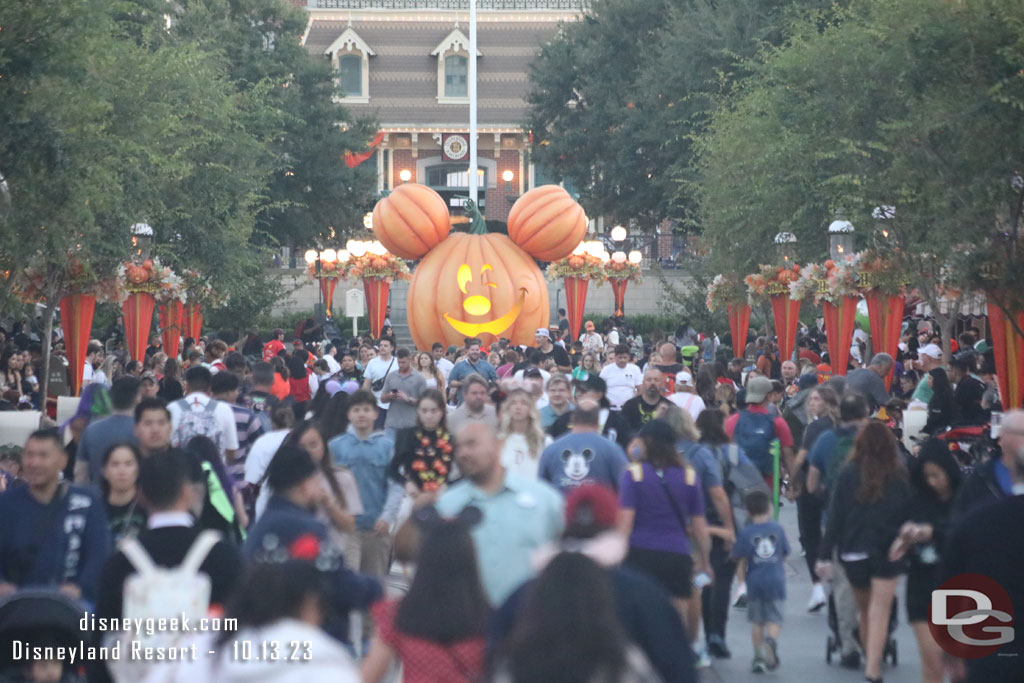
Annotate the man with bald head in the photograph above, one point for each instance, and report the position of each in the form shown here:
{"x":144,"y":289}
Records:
{"x":987,"y":542}
{"x":518,"y":515}
{"x":992,"y":481}
{"x":583,"y":456}
{"x":643,"y":407}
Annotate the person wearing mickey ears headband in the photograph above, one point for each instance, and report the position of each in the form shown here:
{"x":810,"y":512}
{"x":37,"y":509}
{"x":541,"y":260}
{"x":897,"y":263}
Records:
{"x":645,"y":612}
{"x":298,"y":492}
{"x":438,"y":629}
{"x":663,"y":515}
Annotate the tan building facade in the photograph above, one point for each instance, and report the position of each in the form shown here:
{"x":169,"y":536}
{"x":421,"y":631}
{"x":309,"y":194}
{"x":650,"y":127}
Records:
{"x":405,"y":63}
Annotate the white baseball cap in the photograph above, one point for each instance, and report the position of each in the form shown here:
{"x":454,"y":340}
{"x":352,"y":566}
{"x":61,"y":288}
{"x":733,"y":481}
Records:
{"x":930,"y":350}
{"x":684,"y":378}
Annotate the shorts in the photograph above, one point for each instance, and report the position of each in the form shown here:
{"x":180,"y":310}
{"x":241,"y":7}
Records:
{"x":860,"y":572}
{"x":761,"y":611}
{"x":674,"y":571}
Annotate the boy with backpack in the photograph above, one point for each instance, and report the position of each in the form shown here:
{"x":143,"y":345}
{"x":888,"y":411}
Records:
{"x":761,"y":550}
{"x":754,"y":429}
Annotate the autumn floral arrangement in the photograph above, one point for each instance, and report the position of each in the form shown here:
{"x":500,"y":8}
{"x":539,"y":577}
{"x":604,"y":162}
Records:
{"x":771,"y":281}
{"x":386,"y":265}
{"x":74,"y":276}
{"x":724,"y":291}
{"x":586,"y":266}
{"x":880,"y":273}
{"x":328,"y":269}
{"x":152,"y":277}
{"x":623,"y":270}
{"x":830,"y":281}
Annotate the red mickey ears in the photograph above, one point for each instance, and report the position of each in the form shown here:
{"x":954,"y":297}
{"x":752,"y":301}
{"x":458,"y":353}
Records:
{"x":547,"y":223}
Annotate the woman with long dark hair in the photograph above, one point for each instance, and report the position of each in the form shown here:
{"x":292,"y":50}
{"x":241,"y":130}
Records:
{"x":662,"y":510}
{"x":170,"y":384}
{"x":869,"y":504}
{"x":942,"y":408}
{"x":569,"y":631}
{"x":438,"y":629}
{"x":935,"y":478}
{"x":334,"y":417}
{"x":424,"y":453}
{"x":120,"y":474}
{"x":337,"y":509}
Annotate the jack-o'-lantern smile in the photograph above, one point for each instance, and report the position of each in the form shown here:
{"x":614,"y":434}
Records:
{"x":481,"y":305}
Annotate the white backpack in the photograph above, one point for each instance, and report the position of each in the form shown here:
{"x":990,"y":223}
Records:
{"x":155,"y":593}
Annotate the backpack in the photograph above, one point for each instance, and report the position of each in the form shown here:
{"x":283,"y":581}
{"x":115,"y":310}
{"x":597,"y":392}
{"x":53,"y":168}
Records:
{"x":193,"y":423}
{"x":162,"y":593}
{"x":739,"y":479}
{"x":844,"y":446}
{"x":754,"y":433}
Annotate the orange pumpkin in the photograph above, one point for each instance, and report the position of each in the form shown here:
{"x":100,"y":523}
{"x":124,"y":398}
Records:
{"x":476,"y":285}
{"x":547,"y":223}
{"x":137,"y":274}
{"x":411,"y":221}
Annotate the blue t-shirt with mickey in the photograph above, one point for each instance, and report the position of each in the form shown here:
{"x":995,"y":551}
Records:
{"x":765,"y":547}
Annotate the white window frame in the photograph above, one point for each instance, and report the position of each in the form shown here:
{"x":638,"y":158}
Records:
{"x":455,"y":44}
{"x":349,"y":43}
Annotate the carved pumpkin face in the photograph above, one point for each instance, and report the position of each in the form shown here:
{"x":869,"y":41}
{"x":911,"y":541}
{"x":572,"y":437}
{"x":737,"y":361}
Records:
{"x":477,"y":284}
{"x":137,"y":274}
{"x":482,"y":286}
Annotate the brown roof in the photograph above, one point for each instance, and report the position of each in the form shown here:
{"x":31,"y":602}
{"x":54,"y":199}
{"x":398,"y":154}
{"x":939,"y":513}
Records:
{"x":403,"y":74}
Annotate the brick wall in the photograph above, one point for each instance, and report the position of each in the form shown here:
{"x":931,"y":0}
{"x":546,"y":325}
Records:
{"x":402,"y":160}
{"x":501,"y":197}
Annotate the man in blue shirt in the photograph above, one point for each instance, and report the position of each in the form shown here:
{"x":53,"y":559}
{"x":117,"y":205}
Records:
{"x":519,"y":515}
{"x":583,"y":456}
{"x":100,"y":435}
{"x":51,"y":533}
{"x":474,"y":363}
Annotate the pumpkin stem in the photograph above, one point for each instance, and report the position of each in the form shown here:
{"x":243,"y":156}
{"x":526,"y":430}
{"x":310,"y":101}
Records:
{"x":477,"y":226}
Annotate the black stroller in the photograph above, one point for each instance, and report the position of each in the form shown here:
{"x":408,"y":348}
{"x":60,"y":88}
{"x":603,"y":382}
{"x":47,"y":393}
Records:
{"x":834,"y":645}
{"x":39,"y":618}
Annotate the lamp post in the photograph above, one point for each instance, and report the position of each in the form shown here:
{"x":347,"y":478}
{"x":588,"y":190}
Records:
{"x":618,"y":234}
{"x":318,"y":258}
{"x":785,"y":245}
{"x":142,"y":241}
{"x":840,"y":238}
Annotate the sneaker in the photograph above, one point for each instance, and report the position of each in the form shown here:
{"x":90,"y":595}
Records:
{"x":818,"y":598}
{"x":771,"y":655}
{"x":739,"y":599}
{"x":703,"y":659}
{"x":758,"y":667}
{"x":851,"y":660}
{"x":717,"y":647}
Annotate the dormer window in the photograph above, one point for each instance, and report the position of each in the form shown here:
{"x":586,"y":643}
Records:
{"x":350,"y":55}
{"x":453,"y":68}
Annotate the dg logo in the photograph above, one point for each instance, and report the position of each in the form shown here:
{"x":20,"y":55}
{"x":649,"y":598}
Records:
{"x":971,"y":616}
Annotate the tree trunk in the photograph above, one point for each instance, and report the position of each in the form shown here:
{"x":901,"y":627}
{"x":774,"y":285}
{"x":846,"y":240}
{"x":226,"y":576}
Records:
{"x":44,"y":384}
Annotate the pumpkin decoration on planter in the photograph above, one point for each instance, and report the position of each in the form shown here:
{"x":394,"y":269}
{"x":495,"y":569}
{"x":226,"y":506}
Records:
{"x":411,"y":221}
{"x":547,"y":223}
{"x":475,"y":284}
{"x":137,"y":274}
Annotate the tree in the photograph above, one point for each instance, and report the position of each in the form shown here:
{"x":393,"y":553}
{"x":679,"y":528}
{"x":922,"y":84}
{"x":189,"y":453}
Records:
{"x":618,"y":98}
{"x":914,"y":105}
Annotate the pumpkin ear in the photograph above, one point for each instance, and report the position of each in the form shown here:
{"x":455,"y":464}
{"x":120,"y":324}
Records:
{"x":411,"y":221}
{"x":547,"y":223}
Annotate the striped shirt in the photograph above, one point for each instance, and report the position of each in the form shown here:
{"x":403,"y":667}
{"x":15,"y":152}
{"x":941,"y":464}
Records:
{"x":249,"y":429}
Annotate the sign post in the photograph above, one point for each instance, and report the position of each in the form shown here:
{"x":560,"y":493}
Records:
{"x":355,"y":305}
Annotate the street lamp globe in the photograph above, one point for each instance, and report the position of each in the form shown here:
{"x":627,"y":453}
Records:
{"x":405,"y":175}
{"x":310,"y":256}
{"x":329,"y":255}
{"x":356,"y":247}
{"x":507,"y":176}
{"x":368,"y":220}
{"x":635,"y":257}
{"x":580,"y":249}
{"x":619,"y":257}
{"x":618,"y":233}
{"x":343,"y":256}
{"x":376,"y":248}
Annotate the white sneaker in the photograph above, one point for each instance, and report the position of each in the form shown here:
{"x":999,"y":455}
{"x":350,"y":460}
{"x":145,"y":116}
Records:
{"x":739,"y":596}
{"x":818,"y":598}
{"x":703,"y":658}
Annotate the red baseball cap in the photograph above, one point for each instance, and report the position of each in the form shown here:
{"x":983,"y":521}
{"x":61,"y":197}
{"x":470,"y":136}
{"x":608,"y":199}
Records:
{"x":592,"y":504}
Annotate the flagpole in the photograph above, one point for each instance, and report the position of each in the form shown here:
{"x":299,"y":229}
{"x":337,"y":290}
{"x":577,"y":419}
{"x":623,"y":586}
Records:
{"x":473,"y":180}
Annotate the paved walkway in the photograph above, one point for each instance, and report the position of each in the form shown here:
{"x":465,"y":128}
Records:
{"x":802,"y":643}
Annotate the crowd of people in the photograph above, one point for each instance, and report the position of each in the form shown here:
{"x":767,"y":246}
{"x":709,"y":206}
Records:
{"x":579,"y":510}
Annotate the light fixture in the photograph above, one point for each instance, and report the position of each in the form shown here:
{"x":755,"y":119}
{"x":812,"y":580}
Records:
{"x":840,"y":237}
{"x":329,"y":256}
{"x":635,"y":257}
{"x":405,"y":175}
{"x":618,"y":233}
{"x":310,"y":256}
{"x":368,"y":220}
{"x":619,"y":257}
{"x":142,"y":240}
{"x":343,"y":256}
{"x":376,"y":248}
{"x":785,"y":245}
{"x":507,"y":176}
{"x":356,"y":247}
{"x":580,"y":249}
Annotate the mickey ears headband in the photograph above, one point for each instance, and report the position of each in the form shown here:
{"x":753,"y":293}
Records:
{"x":413,"y":219}
{"x":429,"y":518}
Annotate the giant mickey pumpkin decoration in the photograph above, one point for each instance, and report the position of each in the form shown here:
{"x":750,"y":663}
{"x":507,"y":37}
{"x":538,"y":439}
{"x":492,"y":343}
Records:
{"x":477,"y":284}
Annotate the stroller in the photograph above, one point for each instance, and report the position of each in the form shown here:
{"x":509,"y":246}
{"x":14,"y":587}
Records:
{"x":834,"y":645}
{"x":39,"y":618}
